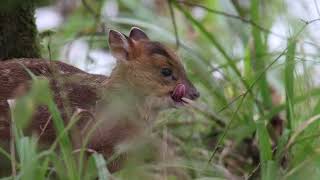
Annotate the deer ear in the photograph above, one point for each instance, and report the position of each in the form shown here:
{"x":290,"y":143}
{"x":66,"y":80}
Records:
{"x":119,"y":45}
{"x":137,"y":34}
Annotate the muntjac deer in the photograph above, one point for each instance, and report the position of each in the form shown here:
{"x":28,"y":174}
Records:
{"x":148,"y":77}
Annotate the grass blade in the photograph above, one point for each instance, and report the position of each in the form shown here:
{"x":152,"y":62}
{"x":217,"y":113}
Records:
{"x":103,"y":172}
{"x":260,"y":49}
{"x":218,"y":46}
{"x":289,"y":81}
{"x":265,"y":149}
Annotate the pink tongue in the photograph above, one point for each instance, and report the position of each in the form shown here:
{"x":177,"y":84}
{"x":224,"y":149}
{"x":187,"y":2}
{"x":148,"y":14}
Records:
{"x":179,"y":92}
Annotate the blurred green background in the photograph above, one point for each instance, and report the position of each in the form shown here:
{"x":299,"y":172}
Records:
{"x":255,"y":63}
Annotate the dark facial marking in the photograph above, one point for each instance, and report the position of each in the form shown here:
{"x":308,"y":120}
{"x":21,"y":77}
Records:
{"x":157,"y":48}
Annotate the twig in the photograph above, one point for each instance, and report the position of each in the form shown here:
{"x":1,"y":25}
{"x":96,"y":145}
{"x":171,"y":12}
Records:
{"x":86,"y":150}
{"x":226,"y":129}
{"x":300,"y":129}
{"x":204,"y":110}
{"x":253,"y":171}
{"x":230,"y":103}
{"x":310,"y":22}
{"x":44,"y":128}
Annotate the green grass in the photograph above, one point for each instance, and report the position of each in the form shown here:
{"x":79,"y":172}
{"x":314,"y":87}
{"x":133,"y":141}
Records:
{"x":228,"y":132}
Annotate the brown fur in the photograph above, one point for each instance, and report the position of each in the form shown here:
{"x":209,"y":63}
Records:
{"x":121,"y":105}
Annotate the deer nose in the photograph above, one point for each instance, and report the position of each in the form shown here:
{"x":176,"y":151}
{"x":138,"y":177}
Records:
{"x":194,"y":94}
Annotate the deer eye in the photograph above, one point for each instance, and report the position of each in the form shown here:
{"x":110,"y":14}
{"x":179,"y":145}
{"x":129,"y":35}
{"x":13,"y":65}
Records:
{"x":166,"y":72}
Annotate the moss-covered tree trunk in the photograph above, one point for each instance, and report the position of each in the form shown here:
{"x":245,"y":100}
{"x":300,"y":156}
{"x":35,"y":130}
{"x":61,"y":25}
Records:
{"x":18,"y":33}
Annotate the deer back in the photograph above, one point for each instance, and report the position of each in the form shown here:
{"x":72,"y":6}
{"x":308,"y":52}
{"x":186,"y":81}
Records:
{"x":72,"y":89}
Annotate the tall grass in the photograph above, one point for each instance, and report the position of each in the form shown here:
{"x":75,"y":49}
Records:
{"x":229,"y":133}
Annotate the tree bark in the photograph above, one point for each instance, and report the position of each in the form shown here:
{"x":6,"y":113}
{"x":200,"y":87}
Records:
{"x":18,"y":32}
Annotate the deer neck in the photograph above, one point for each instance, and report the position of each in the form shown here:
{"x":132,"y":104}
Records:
{"x":122,"y":113}
{"x":123,"y":99}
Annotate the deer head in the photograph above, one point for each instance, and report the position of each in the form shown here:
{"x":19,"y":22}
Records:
{"x":150,"y":68}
